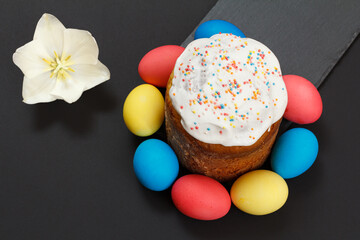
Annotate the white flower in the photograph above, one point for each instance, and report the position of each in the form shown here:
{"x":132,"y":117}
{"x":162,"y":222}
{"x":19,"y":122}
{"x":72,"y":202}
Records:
{"x":59,"y":63}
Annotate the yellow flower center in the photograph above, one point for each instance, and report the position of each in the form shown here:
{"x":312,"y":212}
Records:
{"x":59,"y":66}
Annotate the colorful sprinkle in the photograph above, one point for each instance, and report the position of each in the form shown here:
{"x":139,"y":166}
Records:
{"x":231,"y":82}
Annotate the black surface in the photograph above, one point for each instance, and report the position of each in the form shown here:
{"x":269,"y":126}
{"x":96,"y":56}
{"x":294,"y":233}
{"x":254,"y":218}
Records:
{"x":66,"y":170}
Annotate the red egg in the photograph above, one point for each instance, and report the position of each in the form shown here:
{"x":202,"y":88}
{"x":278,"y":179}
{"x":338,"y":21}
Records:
{"x":200,"y":197}
{"x":156,"y":66}
{"x":304,"y":100}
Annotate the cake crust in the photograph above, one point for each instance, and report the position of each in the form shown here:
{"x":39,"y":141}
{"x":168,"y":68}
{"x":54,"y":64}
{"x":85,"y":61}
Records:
{"x":220,"y":162}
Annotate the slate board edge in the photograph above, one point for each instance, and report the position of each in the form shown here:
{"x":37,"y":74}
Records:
{"x":317,"y":83}
{"x":285,"y":123}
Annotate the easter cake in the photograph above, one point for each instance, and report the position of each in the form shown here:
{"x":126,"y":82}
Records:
{"x":223,"y":105}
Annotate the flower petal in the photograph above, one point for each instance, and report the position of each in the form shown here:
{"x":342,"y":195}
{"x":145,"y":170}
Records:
{"x":91,"y":75}
{"x":80,"y":46}
{"x":38,"y":89}
{"x":29,"y":58}
{"x":50,"y":31}
{"x":69,"y":90}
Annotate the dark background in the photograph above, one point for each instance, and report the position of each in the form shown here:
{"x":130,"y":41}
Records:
{"x":66,"y":170}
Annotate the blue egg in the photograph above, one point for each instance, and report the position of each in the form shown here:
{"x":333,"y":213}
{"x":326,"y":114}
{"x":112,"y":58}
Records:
{"x":155,"y":164}
{"x":212,"y":27}
{"x":294,"y":152}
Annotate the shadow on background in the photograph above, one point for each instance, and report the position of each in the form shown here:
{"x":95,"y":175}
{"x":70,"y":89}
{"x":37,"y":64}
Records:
{"x":78,"y":117}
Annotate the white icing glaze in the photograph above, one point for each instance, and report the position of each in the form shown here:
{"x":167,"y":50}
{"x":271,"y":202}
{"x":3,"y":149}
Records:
{"x":228,"y":90}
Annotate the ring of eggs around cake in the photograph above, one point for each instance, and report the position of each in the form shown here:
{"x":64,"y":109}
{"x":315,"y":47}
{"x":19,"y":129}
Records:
{"x":257,"y":192}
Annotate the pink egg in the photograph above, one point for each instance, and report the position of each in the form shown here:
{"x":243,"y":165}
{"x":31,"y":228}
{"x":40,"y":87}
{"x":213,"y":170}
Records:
{"x":304,"y":100}
{"x":200,"y":197}
{"x":156,"y":66}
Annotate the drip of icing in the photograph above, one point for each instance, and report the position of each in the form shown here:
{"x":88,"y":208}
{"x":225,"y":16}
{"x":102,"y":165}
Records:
{"x":228,"y":90}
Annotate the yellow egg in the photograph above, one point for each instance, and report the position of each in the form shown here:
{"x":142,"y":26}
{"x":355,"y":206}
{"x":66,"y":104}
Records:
{"x":143,"y":110}
{"x":259,"y":192}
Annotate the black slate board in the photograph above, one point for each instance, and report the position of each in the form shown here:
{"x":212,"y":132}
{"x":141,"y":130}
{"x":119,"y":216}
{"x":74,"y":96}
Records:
{"x":308,"y":37}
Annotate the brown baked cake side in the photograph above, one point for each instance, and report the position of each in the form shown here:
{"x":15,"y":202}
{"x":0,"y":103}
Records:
{"x":214,"y":160}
